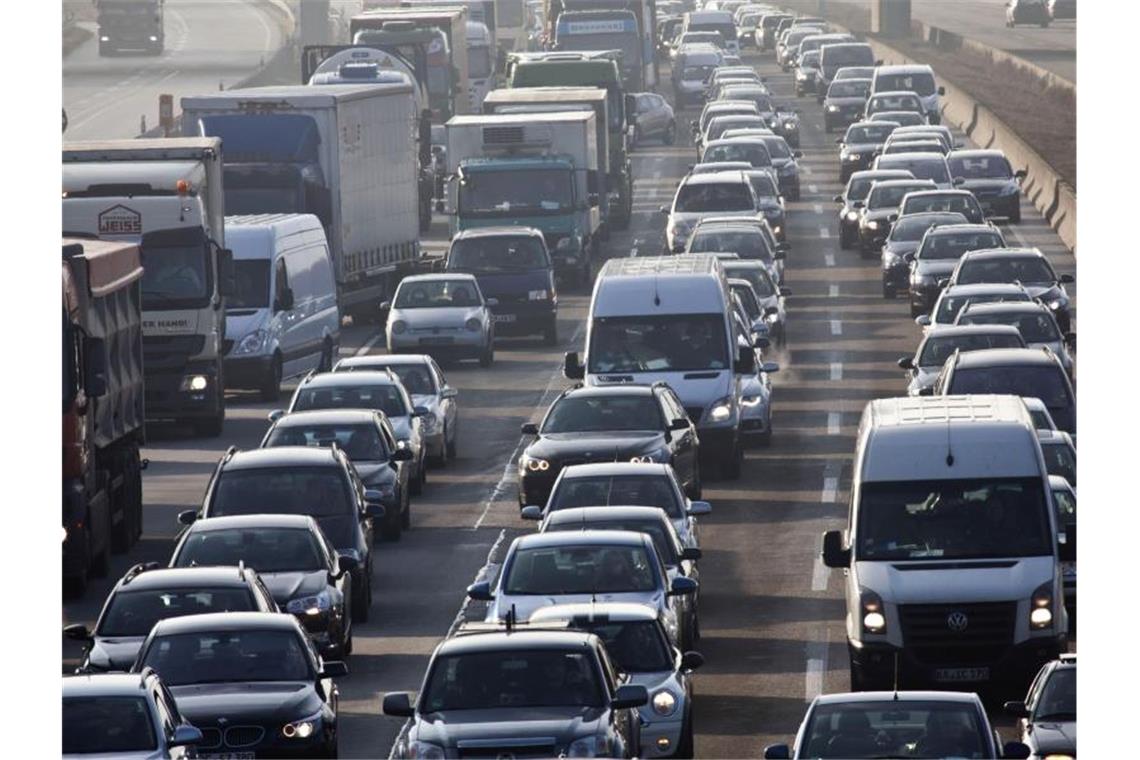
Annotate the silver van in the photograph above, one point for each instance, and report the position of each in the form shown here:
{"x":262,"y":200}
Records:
{"x":283,"y":319}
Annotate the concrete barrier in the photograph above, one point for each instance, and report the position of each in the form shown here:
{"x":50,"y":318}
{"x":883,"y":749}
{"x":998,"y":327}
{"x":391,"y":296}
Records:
{"x":946,"y":40}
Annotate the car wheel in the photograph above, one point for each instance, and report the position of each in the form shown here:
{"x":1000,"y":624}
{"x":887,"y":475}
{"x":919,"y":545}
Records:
{"x":453,"y":444}
{"x":857,"y":680}
{"x":764,"y":440}
{"x":271,"y":384}
{"x":636,"y":140}
{"x":406,"y":514}
{"x":346,"y":646}
{"x":844,"y":239}
{"x":685,"y":743}
{"x":212,"y":426}
{"x":794,"y":195}
{"x":888,"y":291}
{"x":416,"y":485}
{"x":670,"y":133}
{"x":101,"y":562}
{"x":391,"y":527}
{"x":1015,"y":217}
{"x":487,"y":358}
{"x":328,"y":356}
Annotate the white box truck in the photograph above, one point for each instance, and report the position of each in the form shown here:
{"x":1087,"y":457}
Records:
{"x":167,"y":196}
{"x":346,"y":153}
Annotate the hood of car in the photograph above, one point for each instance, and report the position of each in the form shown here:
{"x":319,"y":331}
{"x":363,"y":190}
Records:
{"x":511,"y":286}
{"x":934,"y":267}
{"x":376,"y":473}
{"x":854,"y":100}
{"x":246,"y":702}
{"x":1054,"y":738}
{"x":993,"y":185}
{"x":594,"y":447}
{"x":443,"y":316}
{"x":286,"y":586}
{"x":115,"y":652}
{"x":554,"y":725}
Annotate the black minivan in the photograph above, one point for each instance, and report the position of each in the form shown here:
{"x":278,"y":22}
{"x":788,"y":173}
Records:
{"x":513,"y":266}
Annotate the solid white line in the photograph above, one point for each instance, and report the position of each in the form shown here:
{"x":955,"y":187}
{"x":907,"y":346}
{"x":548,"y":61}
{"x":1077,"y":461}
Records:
{"x":833,"y":291}
{"x":829,"y":259}
{"x":830,"y":491}
{"x":836,"y":371}
{"x":817,"y":208}
{"x":833,"y":423}
{"x":368,"y":346}
{"x":816,"y":667}
{"x":824,"y":233}
{"x":1017,"y":235}
{"x":813,"y":189}
{"x":819,"y":575}
{"x":836,"y":327}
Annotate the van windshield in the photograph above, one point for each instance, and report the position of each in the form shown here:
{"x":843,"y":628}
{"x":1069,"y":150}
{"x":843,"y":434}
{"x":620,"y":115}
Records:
{"x":952,"y":519}
{"x":919,"y":82}
{"x":251,"y":277}
{"x":497,"y":254}
{"x":658,"y":343}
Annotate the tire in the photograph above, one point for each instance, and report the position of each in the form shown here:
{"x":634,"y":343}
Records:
{"x":685,"y":743}
{"x":211,"y":427}
{"x":452,"y":445}
{"x":487,"y":358}
{"x":130,"y":527}
{"x":670,"y":134}
{"x":417,"y":485}
{"x":889,"y":292}
{"x":794,"y":196}
{"x":328,"y":352}
{"x":1015,"y":217}
{"x":858,"y":683}
{"x":636,"y":138}
{"x":550,"y":334}
{"x":270,"y":389}
{"x":764,"y":440}
{"x":391,"y":529}
{"x":346,"y":645}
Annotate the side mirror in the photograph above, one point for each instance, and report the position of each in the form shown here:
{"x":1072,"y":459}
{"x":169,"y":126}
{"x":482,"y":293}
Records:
{"x":909,"y":256}
{"x":691,"y":661}
{"x":699,"y":508}
{"x":1015,"y":709}
{"x":1071,"y":339}
{"x":682,"y":586}
{"x":834,"y":554}
{"x":1016,"y":750}
{"x":907,"y":362}
{"x":879,"y":62}
{"x":188,"y":517}
{"x":284,"y":301}
{"x":448,"y":392}
{"x":275,"y":415}
{"x":922,"y":320}
{"x":374,"y":509}
{"x":1020,"y":174}
{"x":838,"y":199}
{"x":397,"y":704}
{"x":334,"y":669}
{"x":531,"y":512}
{"x":1068,"y":550}
{"x":402,"y":455}
{"x":95,"y":367}
{"x":572,"y":367}
{"x":797,"y":154}
{"x":691,"y":553}
{"x":1066,"y":279}
{"x":385,"y":306}
{"x":771,"y":311}
{"x":777,"y":752}
{"x":857,"y":204}
{"x":529,"y":428}
{"x":185,"y":735}
{"x":892,"y":218}
{"x":227,"y":280}
{"x":745,"y":361}
{"x":770,"y":368}
{"x":941,"y":90}
{"x":680,"y":423}
{"x":927,"y":391}
{"x":629,"y":695}
{"x":77,"y":632}
{"x":480,"y":592}
{"x":420,"y":411}
{"x":346,"y":563}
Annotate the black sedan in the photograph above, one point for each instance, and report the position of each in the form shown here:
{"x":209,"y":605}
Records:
{"x":859,"y":146}
{"x":903,"y":240}
{"x":855,"y":195}
{"x":844,"y":102}
{"x":952,"y":201}
{"x":250,"y":681}
{"x":626,"y":423}
{"x":1047,"y":719}
{"x":988,"y":175}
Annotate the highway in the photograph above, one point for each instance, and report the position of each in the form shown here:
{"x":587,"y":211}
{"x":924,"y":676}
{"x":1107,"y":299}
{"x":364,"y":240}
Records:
{"x":772,"y":616}
{"x":209,"y":43}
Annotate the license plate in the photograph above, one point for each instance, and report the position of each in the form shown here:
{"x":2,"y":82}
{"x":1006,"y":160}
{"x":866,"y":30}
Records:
{"x":434,"y":341}
{"x":504,"y":317}
{"x":228,"y":755}
{"x":957,"y":675}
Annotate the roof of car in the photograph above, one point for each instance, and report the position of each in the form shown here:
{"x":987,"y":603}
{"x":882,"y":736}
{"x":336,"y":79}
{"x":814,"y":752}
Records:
{"x":623,"y":612}
{"x":974,"y":288}
{"x":940,"y":193}
{"x":894,"y":93}
{"x":952,"y":229}
{"x":885,"y":174}
{"x":585,"y":515}
{"x":713,"y":178}
{"x":902,"y":182}
{"x":328,"y":417}
{"x":1054,"y":437}
{"x":614,"y":389}
{"x":584,"y":538}
{"x":951,"y":331}
{"x":500,"y":231}
{"x":915,"y":156}
{"x":898,"y":696}
{"x":976,"y":153}
{"x":183,"y":577}
{"x":489,"y":641}
{"x":225,"y":621}
{"x":1007,"y":307}
{"x":930,"y":215}
{"x":905,"y":68}
{"x":105,"y":685}
{"x":613,"y":468}
{"x":868,"y":123}
{"x":281,"y":456}
{"x":1059,"y":483}
{"x":437,"y":277}
{"x":350,"y":379}
{"x":383,"y":360}
{"x":1004,"y":357}
{"x":1003,"y":253}
{"x":241,"y":522}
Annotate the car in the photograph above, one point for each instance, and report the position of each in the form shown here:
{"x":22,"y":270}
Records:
{"x":148,"y":593}
{"x":124,"y":715}
{"x":442,"y":315}
{"x":299,"y":566}
{"x":815,"y":44}
{"x":692,"y":66}
{"x":1027,"y":267}
{"x":512,"y":266}
{"x":769,"y":197}
{"x":939,"y":344}
{"x":1060,"y":454}
{"x":896,"y":724}
{"x":718,"y":125}
{"x":251,"y":681}
{"x":784,"y":163}
{"x":565,"y":568}
{"x":789,"y":45}
{"x":679,"y":560}
{"x":766,"y":29}
{"x":768,"y":294}
{"x":636,"y":423}
{"x":893,"y":101}
{"x":367,"y":438}
{"x":807,"y":73}
{"x":753,"y":150}
{"x":931,"y":166}
{"x":1047,"y":719}
{"x":903,"y":240}
{"x":1026,"y":12}
{"x":724,"y":193}
{"x":958,"y":201}
{"x":902,"y":118}
{"x":377,"y":389}
{"x":1037,"y":409}
{"x":1065,"y":500}
{"x":714,"y":108}
{"x":844,"y":102}
{"x":1033,"y":320}
{"x":880,"y":209}
{"x":425,"y":382}
{"x":636,"y":641}
{"x":854,"y":72}
{"x":486,"y":688}
{"x":747,"y":240}
{"x":300,"y":481}
{"x":653,"y":118}
{"x":937,"y":131}
{"x":915,"y":78}
{"x":854,"y":196}
{"x":1059,"y":9}
{"x":702,"y":38}
{"x":741,"y":73}
{"x":1033,"y":372}
{"x":954,"y":298}
{"x":625,"y":483}
{"x":834,"y":56}
{"x":937,"y":255}
{"x":744,"y":89}
{"x":988,"y":175}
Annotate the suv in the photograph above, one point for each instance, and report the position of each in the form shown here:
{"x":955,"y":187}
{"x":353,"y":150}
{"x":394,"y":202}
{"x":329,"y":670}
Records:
{"x":301,"y":480}
{"x":916,"y":78}
{"x":124,"y":715}
{"x":699,"y":195}
{"x":1032,"y":319}
{"x":149,"y":593}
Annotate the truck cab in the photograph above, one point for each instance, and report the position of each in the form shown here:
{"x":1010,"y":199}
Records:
{"x":130,"y":25}
{"x":604,"y":30}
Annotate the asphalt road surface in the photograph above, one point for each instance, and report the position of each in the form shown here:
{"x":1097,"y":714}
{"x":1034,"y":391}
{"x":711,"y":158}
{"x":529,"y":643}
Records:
{"x":772,"y":616}
{"x":209,"y":44}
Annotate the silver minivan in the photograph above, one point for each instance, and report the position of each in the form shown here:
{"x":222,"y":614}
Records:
{"x":282,"y":320}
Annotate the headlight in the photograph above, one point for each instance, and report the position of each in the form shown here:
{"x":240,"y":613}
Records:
{"x":664,"y":703}
{"x":537,"y":295}
{"x":853,"y":157}
{"x":788,"y":124}
{"x":751,"y":401}
{"x":310,"y":605}
{"x":399,"y":327}
{"x":301,"y":729}
{"x":872,"y":225}
{"x":852,"y":216}
{"x":874,"y":621}
{"x":474,"y":325}
{"x":251,"y":343}
{"x":430,"y":421}
{"x":587,"y":746}
{"x":533,"y":464}
{"x":1041,"y":607}
{"x":721,"y":409}
{"x":776,"y":229}
{"x":425,"y":751}
{"x":642,"y":459}
{"x":833,"y":109}
{"x":194,"y":383}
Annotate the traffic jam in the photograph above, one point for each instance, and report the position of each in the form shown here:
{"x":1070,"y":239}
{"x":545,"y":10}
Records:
{"x":354,"y":269}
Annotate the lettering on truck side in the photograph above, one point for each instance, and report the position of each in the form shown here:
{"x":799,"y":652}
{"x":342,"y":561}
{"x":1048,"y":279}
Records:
{"x":595,"y":27}
{"x":120,"y":220}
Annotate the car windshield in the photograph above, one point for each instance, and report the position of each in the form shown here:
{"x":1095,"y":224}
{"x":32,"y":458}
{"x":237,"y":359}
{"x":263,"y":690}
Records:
{"x":620,"y":490}
{"x":748,"y":243}
{"x":859,"y":187}
{"x":635,"y":646}
{"x":585,"y":414}
{"x":938,"y":348}
{"x":437,"y":294}
{"x":662,"y":541}
{"x":951,"y":245}
{"x":912,"y":729}
{"x":385,"y":398}
{"x":227,"y":656}
{"x":952,"y":519}
{"x":1046,"y":383}
{"x":361,"y":442}
{"x":757,"y":276}
{"x":416,"y":378}
{"x":266,"y":549}
{"x":1035,"y":328}
{"x":658,"y":343}
{"x":134,"y":613}
{"x":901,"y":118}
{"x":921,"y":83}
{"x":1058,"y":700}
{"x":515,"y":679}
{"x":755,"y":154}
{"x":894,"y":103}
{"x":709,"y":197}
{"x":980,"y":167}
{"x":755,"y":94}
{"x":849,"y":88}
{"x":697,"y":73}
{"x":763,"y":185}
{"x":251,"y":285}
{"x":107,"y":725}
{"x":1023,"y":269}
{"x":932,"y":168}
{"x":950,"y":305}
{"x":497,"y":254}
{"x":721,"y":124}
{"x":777,"y":147}
{"x":838,"y":56}
{"x":889,"y":196}
{"x":1061,"y":460}
{"x":965,"y":204}
{"x":511,"y":192}
{"x":810,"y":60}
{"x":909,"y":229}
{"x":602,"y":569}
{"x":316,"y":491}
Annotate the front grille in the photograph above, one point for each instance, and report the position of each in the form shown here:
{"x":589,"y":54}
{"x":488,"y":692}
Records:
{"x":987,"y":635}
{"x":237,"y":737}
{"x":502,"y":135}
{"x":211,"y":738}
{"x":170,"y":352}
{"x":512,"y":751}
{"x":694,"y":412}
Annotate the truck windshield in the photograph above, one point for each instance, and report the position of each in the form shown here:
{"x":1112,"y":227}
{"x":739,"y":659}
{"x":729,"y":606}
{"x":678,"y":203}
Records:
{"x":175,"y":276}
{"x":506,"y":193}
{"x":252,"y":285}
{"x":497,"y":254}
{"x":658,"y":343}
{"x":627,"y":42}
{"x":952,"y":519}
{"x":520,"y":679}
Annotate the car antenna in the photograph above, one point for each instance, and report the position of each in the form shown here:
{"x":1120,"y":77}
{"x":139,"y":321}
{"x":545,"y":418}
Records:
{"x":509,"y":620}
{"x":896,"y":678}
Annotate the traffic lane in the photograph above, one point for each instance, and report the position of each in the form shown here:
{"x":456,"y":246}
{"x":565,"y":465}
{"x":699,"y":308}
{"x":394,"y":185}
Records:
{"x":209,"y":45}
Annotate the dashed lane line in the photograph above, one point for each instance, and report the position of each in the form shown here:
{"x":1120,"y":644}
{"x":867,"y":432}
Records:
{"x":833,"y":423}
{"x":829,"y":259}
{"x":836,"y":371}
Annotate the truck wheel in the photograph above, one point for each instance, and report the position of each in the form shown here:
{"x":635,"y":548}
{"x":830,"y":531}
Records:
{"x":425,"y":216}
{"x":271,"y":384}
{"x":211,"y":427}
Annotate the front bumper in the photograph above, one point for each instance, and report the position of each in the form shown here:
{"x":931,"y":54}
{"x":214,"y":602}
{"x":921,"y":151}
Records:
{"x":535,"y":487}
{"x":660,"y":737}
{"x":166,"y":401}
{"x":718,"y":442}
{"x":465,"y":343}
{"x":246,"y":371}
{"x":896,"y":278}
{"x":272,"y":744}
{"x":523,"y":317}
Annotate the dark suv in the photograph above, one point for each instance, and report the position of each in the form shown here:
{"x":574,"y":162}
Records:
{"x":301,"y":480}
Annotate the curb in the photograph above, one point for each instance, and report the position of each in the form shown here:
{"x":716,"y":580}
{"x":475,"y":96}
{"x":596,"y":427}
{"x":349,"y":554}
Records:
{"x":950,"y":41}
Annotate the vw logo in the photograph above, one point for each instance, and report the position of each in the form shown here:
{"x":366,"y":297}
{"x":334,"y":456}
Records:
{"x":957,"y":621}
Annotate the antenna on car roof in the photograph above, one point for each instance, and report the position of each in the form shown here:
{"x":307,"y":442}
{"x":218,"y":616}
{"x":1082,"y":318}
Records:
{"x":510,"y":618}
{"x":896,"y":676}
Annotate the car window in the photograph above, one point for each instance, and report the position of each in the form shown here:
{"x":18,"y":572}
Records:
{"x":710,"y":197}
{"x":134,"y":612}
{"x":1013,"y":269}
{"x":361,"y":442}
{"x":597,"y":413}
{"x":227,"y":656}
{"x":1061,"y":460}
{"x":949,"y":306}
{"x":1058,"y":698}
{"x":268,"y":550}
{"x":512,"y":678}
{"x":937,"y":349}
{"x":316,"y":491}
{"x":620,"y":490}
{"x":1046,"y":383}
{"x":748,"y":243}
{"x":1066,"y":505}
{"x":386,"y":398}
{"x":912,"y":728}
{"x":668,"y":551}
{"x":1034,"y":328}
{"x":167,"y":720}
{"x":580,"y":569}
{"x":951,"y":245}
{"x":429,"y":294}
{"x":107,"y":724}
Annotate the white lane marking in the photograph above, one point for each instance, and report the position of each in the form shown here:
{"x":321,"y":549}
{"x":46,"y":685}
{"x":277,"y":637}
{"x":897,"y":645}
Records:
{"x":830,"y":491}
{"x":836,"y":371}
{"x":813,"y":189}
{"x":370,"y":343}
{"x":1017,"y":235}
{"x":816,"y":667}
{"x":836,"y":327}
{"x":833,"y":423}
{"x":819,"y":575}
{"x":805,"y":169}
{"x":824,"y":233}
{"x":833,"y":291}
{"x":829,"y":259}
{"x":817,"y":207}
{"x":115,"y":102}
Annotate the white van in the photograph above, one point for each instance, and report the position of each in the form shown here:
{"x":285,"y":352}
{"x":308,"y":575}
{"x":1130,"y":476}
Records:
{"x":670,"y":318}
{"x":952,"y":555}
{"x":283,"y":319}
{"x":917,"y":78}
{"x":714,"y":21}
